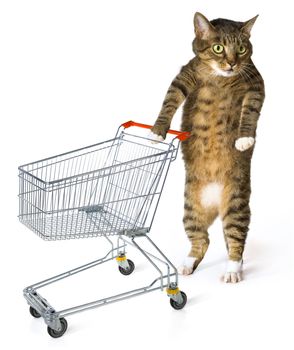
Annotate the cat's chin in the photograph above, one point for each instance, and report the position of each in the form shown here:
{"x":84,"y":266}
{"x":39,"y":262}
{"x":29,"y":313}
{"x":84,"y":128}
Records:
{"x":228,"y":74}
{"x":223,"y":73}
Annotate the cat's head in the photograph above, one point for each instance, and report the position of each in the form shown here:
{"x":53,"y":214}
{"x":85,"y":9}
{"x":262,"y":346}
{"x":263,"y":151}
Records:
{"x":223,"y":44}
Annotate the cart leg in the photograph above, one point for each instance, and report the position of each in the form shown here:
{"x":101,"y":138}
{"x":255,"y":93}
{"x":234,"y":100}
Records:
{"x":178,"y":299}
{"x":121,"y":246}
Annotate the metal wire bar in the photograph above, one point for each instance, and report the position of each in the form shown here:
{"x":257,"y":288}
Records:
{"x":71,"y":272}
{"x":146,"y":252}
{"x":114,"y":298}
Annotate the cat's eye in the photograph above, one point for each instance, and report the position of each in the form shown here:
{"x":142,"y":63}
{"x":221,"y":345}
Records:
{"x":241,"y":50}
{"x":218,"y":48}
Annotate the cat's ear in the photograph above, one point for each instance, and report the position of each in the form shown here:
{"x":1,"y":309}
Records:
{"x":247,"y":26}
{"x":203,"y":28}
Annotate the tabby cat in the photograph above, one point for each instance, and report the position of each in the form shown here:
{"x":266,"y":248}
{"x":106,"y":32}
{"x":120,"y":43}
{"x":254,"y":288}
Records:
{"x":223,"y":93}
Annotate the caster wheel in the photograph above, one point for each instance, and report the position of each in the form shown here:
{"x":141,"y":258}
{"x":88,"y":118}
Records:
{"x":56,"y":334}
{"x":129,"y":270}
{"x":34,"y":312}
{"x":178,"y":306}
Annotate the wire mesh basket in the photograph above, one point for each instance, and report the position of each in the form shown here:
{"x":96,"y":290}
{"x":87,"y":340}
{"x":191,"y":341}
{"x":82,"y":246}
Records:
{"x":108,"y":188}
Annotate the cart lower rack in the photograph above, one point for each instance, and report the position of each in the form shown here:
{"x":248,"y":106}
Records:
{"x":111,"y":190}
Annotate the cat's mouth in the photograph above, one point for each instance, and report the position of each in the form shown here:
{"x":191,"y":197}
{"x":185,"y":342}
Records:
{"x":223,"y":72}
{"x":229,"y":72}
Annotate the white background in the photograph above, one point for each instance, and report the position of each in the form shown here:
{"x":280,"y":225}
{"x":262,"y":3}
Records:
{"x":71,"y":72}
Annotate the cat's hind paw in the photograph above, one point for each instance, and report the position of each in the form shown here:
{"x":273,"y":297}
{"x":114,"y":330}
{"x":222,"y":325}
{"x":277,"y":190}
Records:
{"x":243,"y":143}
{"x":232,"y":277}
{"x":233,"y":272}
{"x":188,"y":266}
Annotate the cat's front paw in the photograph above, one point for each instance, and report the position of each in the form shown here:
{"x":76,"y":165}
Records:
{"x":243,"y":143}
{"x":154,"y":138}
{"x":159,"y":131}
{"x":233,"y":272}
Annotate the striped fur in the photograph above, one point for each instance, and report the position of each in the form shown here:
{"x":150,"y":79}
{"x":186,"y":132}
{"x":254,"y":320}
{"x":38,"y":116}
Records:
{"x":219,"y":109}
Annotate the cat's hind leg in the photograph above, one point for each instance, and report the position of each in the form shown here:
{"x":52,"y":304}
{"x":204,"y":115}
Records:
{"x":197,"y":219}
{"x":235,"y":214}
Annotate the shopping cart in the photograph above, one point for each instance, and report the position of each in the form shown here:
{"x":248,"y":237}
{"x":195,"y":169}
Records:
{"x":110,"y":189}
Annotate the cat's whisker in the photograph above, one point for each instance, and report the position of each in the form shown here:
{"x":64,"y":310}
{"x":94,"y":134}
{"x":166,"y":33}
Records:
{"x":250,"y":68}
{"x":257,"y":77}
{"x":242,"y":75}
{"x":251,"y":74}
{"x":245,"y":75}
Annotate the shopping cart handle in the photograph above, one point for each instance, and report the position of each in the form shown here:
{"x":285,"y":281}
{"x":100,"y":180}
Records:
{"x":181,"y":135}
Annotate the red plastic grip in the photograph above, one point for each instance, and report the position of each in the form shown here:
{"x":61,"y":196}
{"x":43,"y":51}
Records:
{"x":181,"y":135}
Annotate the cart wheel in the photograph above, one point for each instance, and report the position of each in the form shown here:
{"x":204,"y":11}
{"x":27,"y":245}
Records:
{"x":129,"y":270}
{"x":34,"y":312}
{"x":56,"y":334}
{"x":178,"y":306}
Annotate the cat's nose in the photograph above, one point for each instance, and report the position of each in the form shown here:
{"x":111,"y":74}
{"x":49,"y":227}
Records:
{"x":232,"y":64}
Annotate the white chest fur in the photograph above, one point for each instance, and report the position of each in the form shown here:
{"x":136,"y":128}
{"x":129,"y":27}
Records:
{"x":211,"y":194}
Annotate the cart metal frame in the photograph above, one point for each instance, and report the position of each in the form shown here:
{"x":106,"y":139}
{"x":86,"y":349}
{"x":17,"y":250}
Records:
{"x":73,"y":206}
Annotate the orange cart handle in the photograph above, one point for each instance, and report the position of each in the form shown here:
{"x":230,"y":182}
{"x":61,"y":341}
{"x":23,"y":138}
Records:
{"x":181,"y":135}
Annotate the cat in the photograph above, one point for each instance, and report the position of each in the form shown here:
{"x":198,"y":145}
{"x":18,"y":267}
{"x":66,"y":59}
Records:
{"x":224,"y":94}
